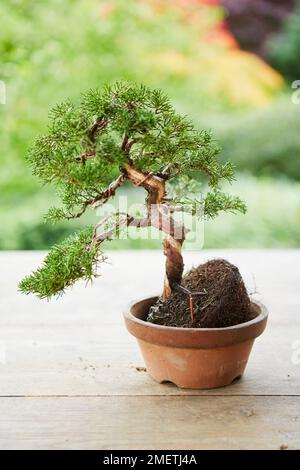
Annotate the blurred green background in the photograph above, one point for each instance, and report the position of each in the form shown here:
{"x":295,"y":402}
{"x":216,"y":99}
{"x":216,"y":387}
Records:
{"x":191,"y":49}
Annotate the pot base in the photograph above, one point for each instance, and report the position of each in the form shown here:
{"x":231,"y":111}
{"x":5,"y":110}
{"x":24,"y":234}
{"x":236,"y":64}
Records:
{"x":196,"y":368}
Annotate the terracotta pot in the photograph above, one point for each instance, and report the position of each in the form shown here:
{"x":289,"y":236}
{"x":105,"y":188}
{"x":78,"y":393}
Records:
{"x":194,"y":357}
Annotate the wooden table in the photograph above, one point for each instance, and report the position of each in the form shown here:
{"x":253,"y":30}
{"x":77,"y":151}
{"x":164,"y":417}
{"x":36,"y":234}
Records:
{"x":71,"y":378}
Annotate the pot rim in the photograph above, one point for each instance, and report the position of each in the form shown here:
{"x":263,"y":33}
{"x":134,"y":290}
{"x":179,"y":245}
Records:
{"x":180,"y":337}
{"x":127,"y":314}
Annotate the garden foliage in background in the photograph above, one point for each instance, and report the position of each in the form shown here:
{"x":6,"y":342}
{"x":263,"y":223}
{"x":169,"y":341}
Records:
{"x":254,"y":22}
{"x":283,"y":50}
{"x":54,"y":49}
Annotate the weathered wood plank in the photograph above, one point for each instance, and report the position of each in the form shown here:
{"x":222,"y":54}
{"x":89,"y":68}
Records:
{"x":78,"y":345}
{"x":132,"y":423}
{"x":107,"y":366}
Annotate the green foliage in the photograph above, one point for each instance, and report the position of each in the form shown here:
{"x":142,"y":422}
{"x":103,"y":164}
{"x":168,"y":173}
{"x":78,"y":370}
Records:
{"x":52,"y":46}
{"x":75,"y":258}
{"x":284,"y":49}
{"x":88,"y":144}
{"x":62,"y":156}
{"x":209,"y":205}
{"x":54,"y":215}
{"x":48,"y":47}
{"x":217,"y":201}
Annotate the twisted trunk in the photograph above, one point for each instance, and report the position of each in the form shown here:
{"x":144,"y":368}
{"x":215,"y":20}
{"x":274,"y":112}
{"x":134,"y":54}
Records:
{"x":158,"y":215}
{"x":174,"y":264}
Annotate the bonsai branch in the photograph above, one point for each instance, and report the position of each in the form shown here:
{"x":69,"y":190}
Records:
{"x":95,"y":128}
{"x":156,"y":219}
{"x":167,"y":146}
{"x":160,"y":219}
{"x":154,"y":185}
{"x":102,"y":197}
{"x":126,"y":220}
{"x":110,"y":191}
{"x":175,"y":232}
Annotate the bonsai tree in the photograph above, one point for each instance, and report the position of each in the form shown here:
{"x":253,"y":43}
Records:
{"x":123,"y":133}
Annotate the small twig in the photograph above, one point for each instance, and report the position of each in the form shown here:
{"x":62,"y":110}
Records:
{"x":97,"y":126}
{"x":101,"y":198}
{"x":191,"y":301}
{"x":124,"y":143}
{"x":191,"y":307}
{"x":166,"y":174}
{"x":84,"y":156}
{"x":130,"y":143}
{"x":127,"y":220}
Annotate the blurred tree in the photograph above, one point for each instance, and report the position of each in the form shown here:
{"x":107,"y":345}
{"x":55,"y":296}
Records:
{"x":284,"y":49}
{"x":252,"y":22}
{"x":264,"y":142}
{"x":48,"y":47}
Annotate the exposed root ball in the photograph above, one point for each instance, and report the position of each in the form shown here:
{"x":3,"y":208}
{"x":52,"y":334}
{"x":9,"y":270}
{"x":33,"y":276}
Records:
{"x":224,"y":300}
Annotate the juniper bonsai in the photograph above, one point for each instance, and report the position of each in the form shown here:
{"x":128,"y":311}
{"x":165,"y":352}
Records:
{"x":123,"y":133}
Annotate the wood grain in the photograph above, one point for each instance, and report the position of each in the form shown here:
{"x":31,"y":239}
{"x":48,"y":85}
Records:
{"x":150,"y":423}
{"x":71,"y":366}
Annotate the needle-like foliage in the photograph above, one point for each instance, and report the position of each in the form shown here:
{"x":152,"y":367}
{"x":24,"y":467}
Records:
{"x":75,"y":258}
{"x":121,"y":132}
{"x":84,"y":148}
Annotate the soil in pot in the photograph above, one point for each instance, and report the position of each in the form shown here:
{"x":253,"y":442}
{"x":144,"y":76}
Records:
{"x":213,"y":295}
